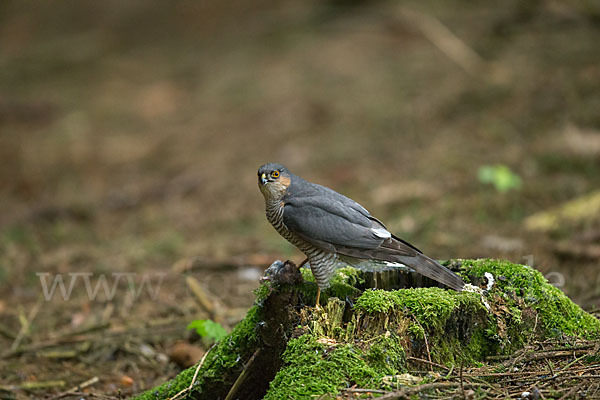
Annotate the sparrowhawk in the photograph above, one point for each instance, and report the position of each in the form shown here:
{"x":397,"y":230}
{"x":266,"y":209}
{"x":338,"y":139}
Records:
{"x":327,"y":226}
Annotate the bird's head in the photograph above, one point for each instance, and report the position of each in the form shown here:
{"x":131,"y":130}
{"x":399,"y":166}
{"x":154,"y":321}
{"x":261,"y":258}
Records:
{"x":273,"y":180}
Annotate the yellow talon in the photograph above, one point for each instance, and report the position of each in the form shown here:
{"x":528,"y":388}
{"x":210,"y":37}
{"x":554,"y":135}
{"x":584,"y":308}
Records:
{"x":318,"y":296}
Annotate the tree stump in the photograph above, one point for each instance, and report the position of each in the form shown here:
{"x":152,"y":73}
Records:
{"x":367,"y":337}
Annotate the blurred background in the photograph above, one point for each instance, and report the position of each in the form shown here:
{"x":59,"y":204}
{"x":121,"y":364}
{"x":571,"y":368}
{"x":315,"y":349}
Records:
{"x":131,"y":132}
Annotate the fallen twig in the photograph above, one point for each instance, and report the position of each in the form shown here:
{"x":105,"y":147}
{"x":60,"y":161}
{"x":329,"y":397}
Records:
{"x":405,"y":393}
{"x":426,"y":342}
{"x":34,"y":385}
{"x":462,"y":384}
{"x":359,"y":390}
{"x":446,"y":41}
{"x":158,"y":326}
{"x":189,"y":388}
{"x":238,"y":382}
{"x":420,"y":360}
{"x":7,"y":333}
{"x":26,"y":323}
{"x":76,"y":389}
{"x":201,"y":296}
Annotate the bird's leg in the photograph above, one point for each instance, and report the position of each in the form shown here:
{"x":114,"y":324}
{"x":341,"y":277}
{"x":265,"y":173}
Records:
{"x":318,"y":296}
{"x":302,"y":263}
{"x":318,"y":288}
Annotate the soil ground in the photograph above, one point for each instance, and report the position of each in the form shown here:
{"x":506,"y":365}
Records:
{"x":130,"y":135}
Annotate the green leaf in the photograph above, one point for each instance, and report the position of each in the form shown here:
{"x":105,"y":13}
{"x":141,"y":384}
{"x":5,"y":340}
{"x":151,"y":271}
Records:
{"x":500,"y":176}
{"x":208,"y":329}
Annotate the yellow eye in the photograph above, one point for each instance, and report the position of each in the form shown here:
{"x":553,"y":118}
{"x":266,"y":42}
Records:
{"x":275,"y":174}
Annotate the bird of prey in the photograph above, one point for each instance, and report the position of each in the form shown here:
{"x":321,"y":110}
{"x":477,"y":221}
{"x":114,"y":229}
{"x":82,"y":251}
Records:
{"x":327,"y":226}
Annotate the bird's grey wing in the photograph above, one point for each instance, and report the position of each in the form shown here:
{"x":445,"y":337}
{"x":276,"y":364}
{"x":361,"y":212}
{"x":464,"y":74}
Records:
{"x":332,"y":225}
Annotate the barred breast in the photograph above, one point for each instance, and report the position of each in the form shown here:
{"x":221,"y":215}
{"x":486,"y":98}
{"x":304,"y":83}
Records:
{"x":322,"y":263}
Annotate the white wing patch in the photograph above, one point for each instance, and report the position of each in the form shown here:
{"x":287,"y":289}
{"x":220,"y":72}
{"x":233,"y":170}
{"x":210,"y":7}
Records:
{"x":396,"y":265}
{"x":381,"y":233}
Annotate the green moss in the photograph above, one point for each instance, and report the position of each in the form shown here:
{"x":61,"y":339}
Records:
{"x":448,"y":350}
{"x":523,"y":286}
{"x":262,"y":292}
{"x":416,"y":331}
{"x":479,"y":345}
{"x":373,"y":301}
{"x":307,"y":275}
{"x":343,"y":284}
{"x":435,"y":312}
{"x":386,"y":353}
{"x":430,"y":306}
{"x":311,"y":368}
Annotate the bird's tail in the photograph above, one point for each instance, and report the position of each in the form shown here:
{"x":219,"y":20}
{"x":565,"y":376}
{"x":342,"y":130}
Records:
{"x":432,"y":269}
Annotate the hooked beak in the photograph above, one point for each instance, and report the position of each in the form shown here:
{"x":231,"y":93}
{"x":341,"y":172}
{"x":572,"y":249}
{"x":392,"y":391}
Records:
{"x":263,"y":179}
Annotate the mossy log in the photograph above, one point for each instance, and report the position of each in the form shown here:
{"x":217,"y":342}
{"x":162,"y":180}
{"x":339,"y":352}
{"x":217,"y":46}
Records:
{"x":287,"y":348}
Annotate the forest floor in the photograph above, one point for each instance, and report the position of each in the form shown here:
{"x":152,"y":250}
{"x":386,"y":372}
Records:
{"x":130,"y":135}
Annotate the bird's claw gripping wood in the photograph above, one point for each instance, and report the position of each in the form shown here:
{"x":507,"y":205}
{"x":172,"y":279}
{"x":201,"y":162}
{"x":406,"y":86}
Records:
{"x":327,"y":226}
